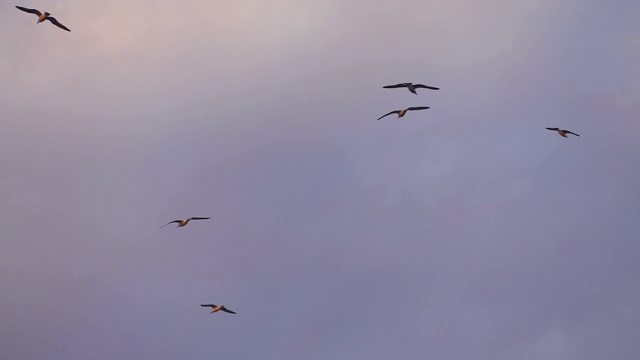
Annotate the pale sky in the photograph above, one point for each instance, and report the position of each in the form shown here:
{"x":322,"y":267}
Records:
{"x":465,"y":231}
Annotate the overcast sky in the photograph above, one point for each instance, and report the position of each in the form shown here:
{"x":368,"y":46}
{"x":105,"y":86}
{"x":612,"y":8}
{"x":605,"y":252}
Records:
{"x":466,"y":231}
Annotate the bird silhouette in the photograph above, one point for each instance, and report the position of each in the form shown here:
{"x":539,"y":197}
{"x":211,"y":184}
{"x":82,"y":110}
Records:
{"x":563,"y":133}
{"x":412,"y":87}
{"x":182,"y":223}
{"x":401,"y":113}
{"x":216,"y":308}
{"x":42,"y":17}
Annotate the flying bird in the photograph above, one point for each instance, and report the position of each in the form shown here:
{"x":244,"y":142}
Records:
{"x":182,"y":223}
{"x":563,"y":133}
{"x":401,"y":113}
{"x":216,"y":308}
{"x":412,"y":87}
{"x":42,"y":17}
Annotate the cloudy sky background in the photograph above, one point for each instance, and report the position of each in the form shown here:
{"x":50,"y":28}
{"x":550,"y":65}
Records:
{"x":466,"y":231}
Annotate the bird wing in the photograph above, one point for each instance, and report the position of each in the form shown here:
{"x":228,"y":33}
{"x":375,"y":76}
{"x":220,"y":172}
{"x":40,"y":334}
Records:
{"x":32,"y":11}
{"x":394,"y":86}
{"x":227,"y":310}
{"x":421,"y":86}
{"x":199,"y":218}
{"x":56,"y":23}
{"x":569,"y":132}
{"x":552,"y":129}
{"x":208,"y":305}
{"x":418,"y":108}
{"x":393,"y":112}
{"x":171,"y":222}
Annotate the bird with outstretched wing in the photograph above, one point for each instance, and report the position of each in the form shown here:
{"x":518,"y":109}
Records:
{"x":401,"y":113}
{"x":216,"y":308}
{"x":182,"y":223}
{"x":42,"y":17}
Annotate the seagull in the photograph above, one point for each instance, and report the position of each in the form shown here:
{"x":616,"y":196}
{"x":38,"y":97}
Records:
{"x":216,"y":308}
{"x":412,"y":87}
{"x":182,"y":223}
{"x":401,"y":113}
{"x":562,"y":133}
{"x":42,"y":17}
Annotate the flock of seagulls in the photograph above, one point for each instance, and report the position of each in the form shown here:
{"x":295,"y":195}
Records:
{"x":183,"y":222}
{"x":412,"y":88}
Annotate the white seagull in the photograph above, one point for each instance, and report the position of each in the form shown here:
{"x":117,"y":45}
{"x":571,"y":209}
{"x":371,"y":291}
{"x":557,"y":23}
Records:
{"x":401,"y":113}
{"x":216,"y":308}
{"x":42,"y":17}
{"x":182,"y":223}
{"x":411,"y":86}
{"x":563,"y":133}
